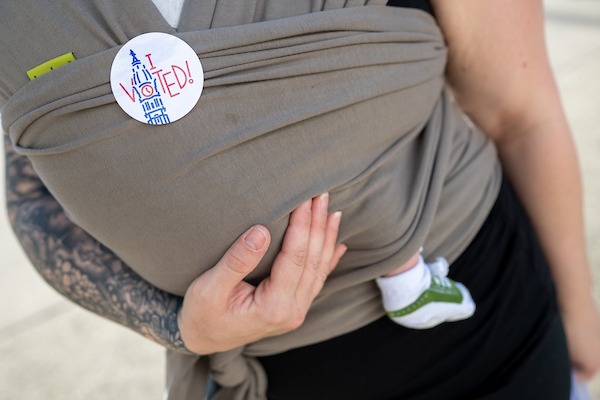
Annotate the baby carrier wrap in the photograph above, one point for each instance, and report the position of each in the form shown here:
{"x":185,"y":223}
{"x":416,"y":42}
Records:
{"x":300,"y":97}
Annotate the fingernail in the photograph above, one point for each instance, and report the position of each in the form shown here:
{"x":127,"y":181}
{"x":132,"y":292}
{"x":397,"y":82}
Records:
{"x":324,"y":201}
{"x":337,"y":217}
{"x":255,"y":239}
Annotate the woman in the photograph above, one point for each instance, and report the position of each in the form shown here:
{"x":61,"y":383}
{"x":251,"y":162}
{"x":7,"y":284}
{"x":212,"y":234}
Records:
{"x":498,"y":72}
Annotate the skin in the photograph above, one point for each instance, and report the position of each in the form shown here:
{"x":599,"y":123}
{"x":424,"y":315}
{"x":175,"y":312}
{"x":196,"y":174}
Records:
{"x":404,"y":267}
{"x":89,"y":274}
{"x":498,"y":70}
{"x":221,"y":311}
{"x":78,"y":266}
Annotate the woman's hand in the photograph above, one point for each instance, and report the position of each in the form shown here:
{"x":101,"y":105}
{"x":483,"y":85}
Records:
{"x":221,"y":312}
{"x":582,"y":326}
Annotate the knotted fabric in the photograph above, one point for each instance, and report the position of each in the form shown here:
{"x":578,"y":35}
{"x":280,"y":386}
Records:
{"x":300,"y":97}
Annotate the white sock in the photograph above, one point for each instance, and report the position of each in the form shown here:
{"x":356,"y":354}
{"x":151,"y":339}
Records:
{"x":423,"y":297}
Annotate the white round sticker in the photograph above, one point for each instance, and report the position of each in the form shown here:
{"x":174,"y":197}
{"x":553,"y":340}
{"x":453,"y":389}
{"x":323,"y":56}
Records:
{"x":156,"y":78}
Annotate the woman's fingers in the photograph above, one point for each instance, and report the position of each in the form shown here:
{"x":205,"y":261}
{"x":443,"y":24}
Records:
{"x":339,"y":252}
{"x":309,"y":240}
{"x":300,"y":269}
{"x":239,"y":260}
{"x":289,"y":263}
{"x":318,"y":227}
{"x":314,"y":276}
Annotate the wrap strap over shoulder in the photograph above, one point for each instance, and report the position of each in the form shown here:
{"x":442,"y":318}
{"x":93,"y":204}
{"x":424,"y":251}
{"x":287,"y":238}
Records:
{"x":300,"y":97}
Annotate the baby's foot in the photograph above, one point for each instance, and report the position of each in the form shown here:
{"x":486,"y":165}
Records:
{"x":423,"y":296}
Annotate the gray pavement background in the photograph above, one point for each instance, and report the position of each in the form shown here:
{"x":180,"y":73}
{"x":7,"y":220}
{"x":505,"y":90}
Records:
{"x":52,"y":349}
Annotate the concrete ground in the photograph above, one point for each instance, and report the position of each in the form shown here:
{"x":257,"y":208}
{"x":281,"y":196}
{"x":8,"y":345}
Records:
{"x":52,"y":349}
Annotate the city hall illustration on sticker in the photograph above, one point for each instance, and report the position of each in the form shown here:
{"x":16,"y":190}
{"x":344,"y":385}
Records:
{"x":145,"y":86}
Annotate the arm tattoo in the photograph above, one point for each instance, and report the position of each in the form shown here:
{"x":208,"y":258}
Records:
{"x":78,"y":266}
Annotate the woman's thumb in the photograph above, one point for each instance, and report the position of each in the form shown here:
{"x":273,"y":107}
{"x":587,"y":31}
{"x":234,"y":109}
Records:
{"x":242,"y":257}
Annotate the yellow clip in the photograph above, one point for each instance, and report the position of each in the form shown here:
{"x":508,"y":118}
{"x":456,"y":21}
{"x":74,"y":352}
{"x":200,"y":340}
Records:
{"x":48,"y":66}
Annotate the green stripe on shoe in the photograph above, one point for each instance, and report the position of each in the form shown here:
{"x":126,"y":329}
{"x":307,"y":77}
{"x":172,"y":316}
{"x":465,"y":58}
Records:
{"x":436,"y":293}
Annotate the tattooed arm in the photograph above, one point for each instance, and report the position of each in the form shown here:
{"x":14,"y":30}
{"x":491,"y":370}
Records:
{"x":220,"y":312}
{"x":78,"y":266}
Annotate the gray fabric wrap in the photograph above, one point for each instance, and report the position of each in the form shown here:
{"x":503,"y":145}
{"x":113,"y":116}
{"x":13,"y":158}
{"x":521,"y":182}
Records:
{"x":300,"y":97}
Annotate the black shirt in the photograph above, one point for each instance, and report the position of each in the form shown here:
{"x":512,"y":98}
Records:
{"x":420,"y":4}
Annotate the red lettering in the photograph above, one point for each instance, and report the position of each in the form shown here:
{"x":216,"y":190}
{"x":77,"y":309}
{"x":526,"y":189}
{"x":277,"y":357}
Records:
{"x":169,"y":84}
{"x":162,"y":85}
{"x":188,"y":68}
{"x":179,"y":77}
{"x":132,"y":96}
{"x":179,"y":82}
{"x":150,"y":60}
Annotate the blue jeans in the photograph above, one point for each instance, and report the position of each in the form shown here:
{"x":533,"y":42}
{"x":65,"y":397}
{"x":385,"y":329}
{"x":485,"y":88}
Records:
{"x":213,"y":387}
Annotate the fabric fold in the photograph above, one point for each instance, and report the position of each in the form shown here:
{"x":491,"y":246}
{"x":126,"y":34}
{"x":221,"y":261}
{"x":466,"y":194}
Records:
{"x":339,"y":96}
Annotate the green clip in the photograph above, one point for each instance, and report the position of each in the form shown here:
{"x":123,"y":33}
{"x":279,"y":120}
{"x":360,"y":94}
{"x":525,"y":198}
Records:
{"x":50,"y":65}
